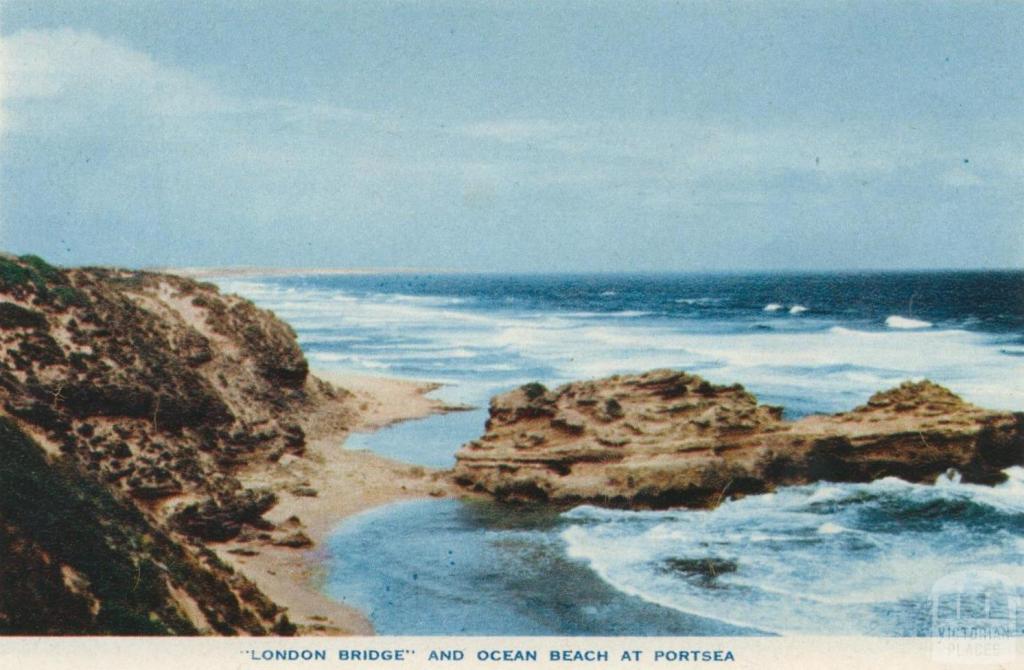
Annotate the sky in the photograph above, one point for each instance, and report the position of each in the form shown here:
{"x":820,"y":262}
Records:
{"x":514,"y":136}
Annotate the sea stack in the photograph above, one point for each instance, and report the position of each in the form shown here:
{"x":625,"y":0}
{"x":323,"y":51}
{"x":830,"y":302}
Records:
{"x":667,"y":438}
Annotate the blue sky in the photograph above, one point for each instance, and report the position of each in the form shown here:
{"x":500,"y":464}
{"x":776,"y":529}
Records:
{"x":534,"y":136}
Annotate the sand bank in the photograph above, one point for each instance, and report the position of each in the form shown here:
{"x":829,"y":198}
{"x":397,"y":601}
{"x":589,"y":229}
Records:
{"x":328,"y":484}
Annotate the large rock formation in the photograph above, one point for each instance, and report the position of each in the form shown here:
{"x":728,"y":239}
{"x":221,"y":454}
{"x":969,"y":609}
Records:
{"x":145,"y":394}
{"x":668,"y":438}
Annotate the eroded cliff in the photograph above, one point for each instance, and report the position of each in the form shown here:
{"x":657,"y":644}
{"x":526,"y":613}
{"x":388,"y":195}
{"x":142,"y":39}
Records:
{"x":130,"y":401}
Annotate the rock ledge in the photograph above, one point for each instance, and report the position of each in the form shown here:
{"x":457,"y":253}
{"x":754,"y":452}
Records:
{"x":668,"y":438}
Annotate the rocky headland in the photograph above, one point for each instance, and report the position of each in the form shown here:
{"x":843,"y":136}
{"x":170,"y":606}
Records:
{"x":161,"y":445}
{"x":667,"y":438}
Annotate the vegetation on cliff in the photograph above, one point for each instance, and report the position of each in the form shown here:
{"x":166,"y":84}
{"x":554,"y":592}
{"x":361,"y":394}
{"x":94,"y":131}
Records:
{"x":129,"y":402}
{"x":76,"y":560}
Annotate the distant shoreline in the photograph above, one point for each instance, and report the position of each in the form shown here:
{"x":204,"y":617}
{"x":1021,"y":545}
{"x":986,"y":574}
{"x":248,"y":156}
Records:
{"x":207,"y":273}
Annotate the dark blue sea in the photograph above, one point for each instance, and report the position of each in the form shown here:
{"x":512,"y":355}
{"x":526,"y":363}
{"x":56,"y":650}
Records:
{"x":827,"y":558}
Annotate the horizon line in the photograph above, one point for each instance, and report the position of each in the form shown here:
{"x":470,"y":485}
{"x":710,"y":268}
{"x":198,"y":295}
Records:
{"x":283,"y":271}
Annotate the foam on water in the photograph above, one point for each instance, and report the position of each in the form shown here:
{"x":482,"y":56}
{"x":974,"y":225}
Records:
{"x":904,"y":323}
{"x":842,"y":558}
{"x":706,"y":300}
{"x":822,"y":366}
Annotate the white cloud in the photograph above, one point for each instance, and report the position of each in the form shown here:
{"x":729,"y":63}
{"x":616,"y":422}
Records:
{"x":48,"y":64}
{"x":73,"y":77}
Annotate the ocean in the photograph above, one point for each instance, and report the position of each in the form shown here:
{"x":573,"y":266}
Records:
{"x":825,"y":558}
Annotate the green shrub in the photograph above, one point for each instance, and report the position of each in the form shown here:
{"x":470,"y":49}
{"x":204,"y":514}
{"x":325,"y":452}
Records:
{"x":68,"y":296}
{"x":13,"y":273}
{"x":42,"y":269}
{"x":534,"y":390}
{"x":50,"y":283}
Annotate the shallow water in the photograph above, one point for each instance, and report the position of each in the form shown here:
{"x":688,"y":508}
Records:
{"x":424,"y":442}
{"x":438,"y":567}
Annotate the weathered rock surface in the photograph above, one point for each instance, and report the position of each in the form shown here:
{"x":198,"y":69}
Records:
{"x":159,"y":391}
{"x":667,"y":438}
{"x":222,"y":518}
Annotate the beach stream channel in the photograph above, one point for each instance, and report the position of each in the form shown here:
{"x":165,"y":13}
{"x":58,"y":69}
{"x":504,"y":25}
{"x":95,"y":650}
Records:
{"x":473,"y":567}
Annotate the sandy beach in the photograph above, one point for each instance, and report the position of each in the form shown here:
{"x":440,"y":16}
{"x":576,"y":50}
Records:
{"x":328,"y":484}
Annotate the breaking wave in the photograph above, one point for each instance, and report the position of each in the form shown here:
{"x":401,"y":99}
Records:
{"x":904,"y":323}
{"x":836,"y":558}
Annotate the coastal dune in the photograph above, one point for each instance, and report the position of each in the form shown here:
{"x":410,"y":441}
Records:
{"x":198,"y":446}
